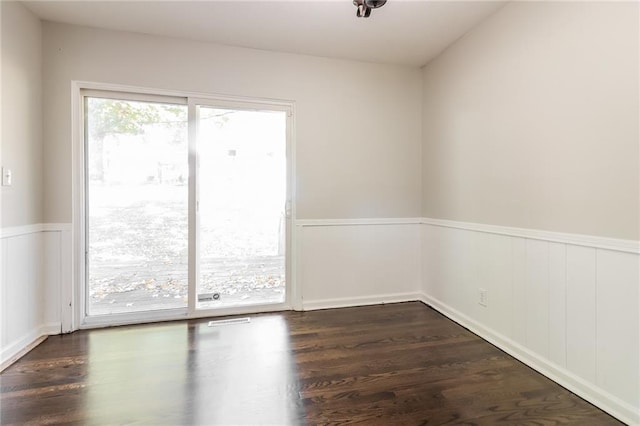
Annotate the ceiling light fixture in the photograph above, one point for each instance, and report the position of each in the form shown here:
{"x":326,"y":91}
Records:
{"x":365,"y":6}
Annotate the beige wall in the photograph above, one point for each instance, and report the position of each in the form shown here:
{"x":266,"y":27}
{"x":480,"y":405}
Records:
{"x":21,"y":149}
{"x":531,"y":120}
{"x":358,"y":125}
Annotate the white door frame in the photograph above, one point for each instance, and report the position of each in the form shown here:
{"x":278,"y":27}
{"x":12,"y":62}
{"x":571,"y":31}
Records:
{"x":73,"y":298}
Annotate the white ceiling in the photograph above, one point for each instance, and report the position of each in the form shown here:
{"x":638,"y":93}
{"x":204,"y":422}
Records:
{"x":405,"y":32}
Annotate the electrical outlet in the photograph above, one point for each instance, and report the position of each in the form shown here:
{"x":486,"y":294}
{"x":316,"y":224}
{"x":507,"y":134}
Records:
{"x":6,"y":177}
{"x":483,"y":297}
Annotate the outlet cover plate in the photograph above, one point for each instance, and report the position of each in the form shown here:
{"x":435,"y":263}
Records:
{"x":6,"y":177}
{"x":483,"y":297}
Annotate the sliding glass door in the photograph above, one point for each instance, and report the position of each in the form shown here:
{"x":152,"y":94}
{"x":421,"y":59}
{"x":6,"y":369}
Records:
{"x":242,"y":195}
{"x":136,"y":205}
{"x":185,"y":206}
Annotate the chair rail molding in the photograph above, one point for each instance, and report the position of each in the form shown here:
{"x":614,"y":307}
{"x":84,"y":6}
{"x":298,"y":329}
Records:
{"x":628,"y":246}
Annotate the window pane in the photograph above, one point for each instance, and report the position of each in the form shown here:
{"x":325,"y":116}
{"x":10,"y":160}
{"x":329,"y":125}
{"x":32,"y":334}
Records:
{"x":137,"y":229}
{"x":242,"y":199}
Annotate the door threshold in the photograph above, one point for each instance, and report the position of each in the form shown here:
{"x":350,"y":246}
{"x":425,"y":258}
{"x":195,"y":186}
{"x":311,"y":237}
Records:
{"x":146,"y":317}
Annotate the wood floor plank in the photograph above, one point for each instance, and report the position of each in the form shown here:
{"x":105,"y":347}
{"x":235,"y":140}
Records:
{"x":398,"y":364}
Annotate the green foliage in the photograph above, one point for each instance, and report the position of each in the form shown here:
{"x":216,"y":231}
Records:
{"x":112,"y":116}
{"x":116,"y":117}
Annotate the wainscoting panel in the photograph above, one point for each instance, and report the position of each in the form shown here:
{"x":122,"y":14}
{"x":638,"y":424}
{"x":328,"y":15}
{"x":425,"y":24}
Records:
{"x":51,"y":270}
{"x":581,"y":311}
{"x":537,"y":289}
{"x":457,"y":264}
{"x":618,"y":324}
{"x":566,"y":305}
{"x":3,"y":297}
{"x":557,"y":304}
{"x":350,"y":263}
{"x":29,"y":299}
{"x":489,"y":253}
{"x":65,"y":286}
{"x":22,"y":298}
{"x":568,"y":309}
{"x":519,"y":304}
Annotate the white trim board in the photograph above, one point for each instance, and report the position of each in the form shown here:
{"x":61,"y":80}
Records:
{"x":359,"y":221}
{"x":347,"y":302}
{"x":20,"y":348}
{"x":603,"y":400}
{"x":16,"y":231}
{"x":628,"y":246}
{"x":56,"y":227}
{"x":605,"y":243}
{"x":77,"y":85}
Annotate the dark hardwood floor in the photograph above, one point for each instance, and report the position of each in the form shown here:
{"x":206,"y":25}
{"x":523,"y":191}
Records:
{"x":398,"y":364}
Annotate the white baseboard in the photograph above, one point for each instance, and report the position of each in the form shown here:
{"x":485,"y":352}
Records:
{"x":607,"y":402}
{"x":16,"y":350}
{"x":51,"y":329}
{"x":346,"y":302}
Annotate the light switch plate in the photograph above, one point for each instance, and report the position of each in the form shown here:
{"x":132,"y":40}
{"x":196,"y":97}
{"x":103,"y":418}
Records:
{"x":6,"y":177}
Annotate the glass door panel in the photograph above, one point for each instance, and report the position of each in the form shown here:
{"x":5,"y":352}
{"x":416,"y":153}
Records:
{"x":242,"y":193}
{"x":136,"y":205}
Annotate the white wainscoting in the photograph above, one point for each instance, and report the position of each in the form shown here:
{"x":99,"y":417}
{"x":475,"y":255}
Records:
{"x":357,"y":262}
{"x":34,"y":264}
{"x":568,"y":306}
